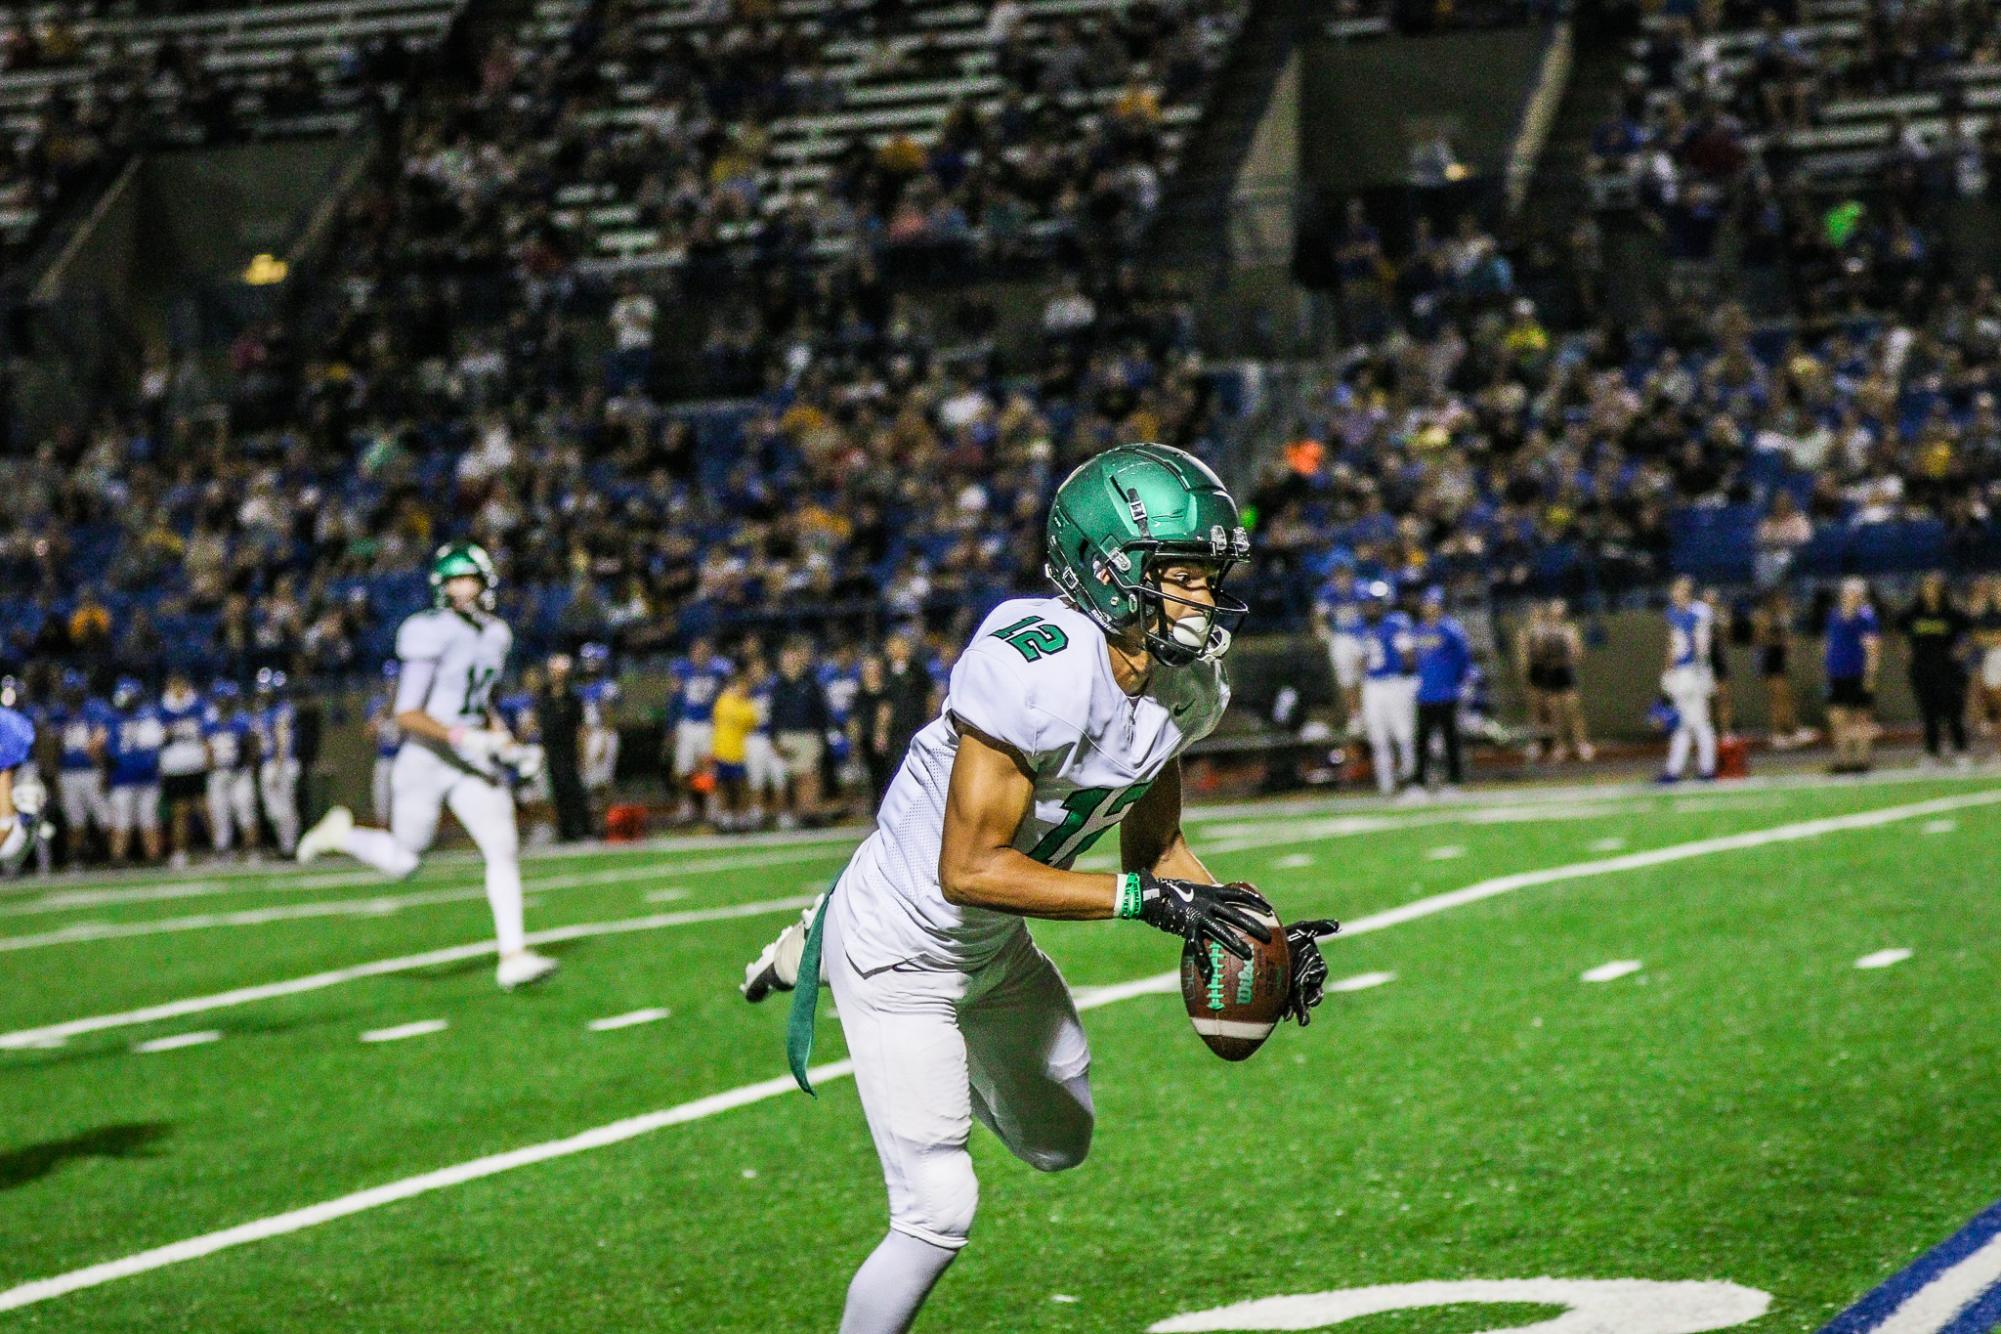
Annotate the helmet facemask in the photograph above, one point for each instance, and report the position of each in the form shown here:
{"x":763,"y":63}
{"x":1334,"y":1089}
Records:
{"x":1180,"y":630}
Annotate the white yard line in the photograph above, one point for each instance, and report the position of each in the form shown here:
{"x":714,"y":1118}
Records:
{"x":617,"y":1132}
{"x":1444,"y":853}
{"x":1883,"y":958}
{"x":178,"y":1041}
{"x":1610,"y":844}
{"x":1362,"y":982}
{"x":1940,"y":826}
{"x":73,"y":899}
{"x":397,"y":1032}
{"x":31,"y":1037}
{"x":1611,"y":972}
{"x":628,"y":1020}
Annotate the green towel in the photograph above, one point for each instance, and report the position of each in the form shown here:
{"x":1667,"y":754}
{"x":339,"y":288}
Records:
{"x":806,"y":1001}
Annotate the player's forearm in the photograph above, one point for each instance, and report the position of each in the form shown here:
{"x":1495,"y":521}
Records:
{"x":1177,"y":861}
{"x":415,"y":722}
{"x":1005,"y":880}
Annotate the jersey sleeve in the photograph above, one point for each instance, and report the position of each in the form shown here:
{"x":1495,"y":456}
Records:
{"x":419,"y":640}
{"x":997,"y":698}
{"x":17,"y":738}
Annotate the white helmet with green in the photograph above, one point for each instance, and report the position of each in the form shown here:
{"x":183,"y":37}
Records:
{"x":457,"y":559}
{"x":1123,"y":516}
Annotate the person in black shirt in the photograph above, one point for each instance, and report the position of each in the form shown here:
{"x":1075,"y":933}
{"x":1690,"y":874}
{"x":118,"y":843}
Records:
{"x":799,"y":730}
{"x":909,"y":689}
{"x":561,"y":712}
{"x":1937,"y":631}
{"x":868,"y":728}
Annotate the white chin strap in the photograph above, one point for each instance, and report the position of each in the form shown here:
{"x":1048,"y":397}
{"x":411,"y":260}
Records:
{"x":1219,"y":644}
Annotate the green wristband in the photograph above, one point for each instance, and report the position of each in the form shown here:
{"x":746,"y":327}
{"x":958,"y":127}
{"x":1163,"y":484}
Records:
{"x":1129,"y":896}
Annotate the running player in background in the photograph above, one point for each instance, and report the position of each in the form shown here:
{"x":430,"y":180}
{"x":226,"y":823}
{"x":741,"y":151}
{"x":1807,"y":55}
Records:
{"x":132,"y":749}
{"x":382,"y":729}
{"x":455,"y":754}
{"x":275,"y":723}
{"x":232,"y":785}
{"x":82,"y":727}
{"x":183,"y":762}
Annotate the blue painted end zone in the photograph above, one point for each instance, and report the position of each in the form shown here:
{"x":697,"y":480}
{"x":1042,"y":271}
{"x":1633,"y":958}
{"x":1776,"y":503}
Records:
{"x":1983,"y":1317}
{"x":1877,"y":1307}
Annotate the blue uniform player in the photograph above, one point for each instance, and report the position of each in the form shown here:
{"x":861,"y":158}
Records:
{"x":132,"y":750}
{"x":1444,"y":660}
{"x":698,"y":679}
{"x":599,"y":694}
{"x":388,"y":739}
{"x":1337,"y":619}
{"x":840,"y":679}
{"x":82,"y":726}
{"x":1389,"y":687}
{"x":274,"y":722}
{"x":1854,"y":649}
{"x":21,"y":794}
{"x":764,"y":771}
{"x":232,"y":783}
{"x":1689,"y":681}
{"x":28,"y":774}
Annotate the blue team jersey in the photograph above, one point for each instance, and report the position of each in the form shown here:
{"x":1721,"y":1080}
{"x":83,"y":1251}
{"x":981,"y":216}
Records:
{"x":1388,"y":640}
{"x":17,"y":738}
{"x":1344,"y":609}
{"x":133,"y":746}
{"x":1689,"y":629}
{"x":1443,"y":658}
{"x":840,"y":685}
{"x":75,"y":726}
{"x":695,"y":697}
{"x":598,"y":698}
{"x":1847,"y":646}
{"x":517,"y":711}
{"x":228,"y":737}
{"x":183,"y":721}
{"x":276,"y":730}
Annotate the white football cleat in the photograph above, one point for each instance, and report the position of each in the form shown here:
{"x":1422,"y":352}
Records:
{"x":523,"y":969}
{"x":329,"y":835}
{"x":776,"y":968}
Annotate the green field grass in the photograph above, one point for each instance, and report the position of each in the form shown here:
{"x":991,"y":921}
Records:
{"x":1747,"y":1107}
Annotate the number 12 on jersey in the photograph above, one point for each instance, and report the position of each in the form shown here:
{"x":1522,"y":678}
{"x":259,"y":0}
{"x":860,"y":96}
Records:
{"x":1088,"y":813}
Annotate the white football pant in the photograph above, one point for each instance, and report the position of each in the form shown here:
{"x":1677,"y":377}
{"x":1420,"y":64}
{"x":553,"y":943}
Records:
{"x":135,"y":806}
{"x":83,"y":799}
{"x":1389,"y":713}
{"x":378,"y":788}
{"x":232,"y":806}
{"x":278,"y":785}
{"x":1690,"y":688}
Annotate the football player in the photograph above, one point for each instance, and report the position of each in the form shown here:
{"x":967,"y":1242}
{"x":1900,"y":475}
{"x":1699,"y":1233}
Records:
{"x":132,"y":749}
{"x":388,"y":736}
{"x":183,"y":762}
{"x":455,"y":753}
{"x":27,"y":774}
{"x":698,"y":679}
{"x":232,"y":785}
{"x":840,"y":676}
{"x":22,"y":795}
{"x":1063,"y":719}
{"x":1337,"y":620}
{"x":599,"y":695}
{"x":275,"y":723}
{"x":1389,"y":687}
{"x":1688,"y":681}
{"x":82,"y":726}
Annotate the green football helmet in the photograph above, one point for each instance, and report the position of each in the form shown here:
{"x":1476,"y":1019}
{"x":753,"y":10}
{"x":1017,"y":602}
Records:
{"x":461,"y":558}
{"x":1122,"y":516}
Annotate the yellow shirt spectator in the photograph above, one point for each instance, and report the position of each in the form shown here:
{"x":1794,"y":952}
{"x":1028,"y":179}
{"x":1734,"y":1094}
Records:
{"x":736,"y":716}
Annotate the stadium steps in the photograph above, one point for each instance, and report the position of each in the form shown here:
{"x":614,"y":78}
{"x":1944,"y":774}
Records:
{"x":1195,"y":224}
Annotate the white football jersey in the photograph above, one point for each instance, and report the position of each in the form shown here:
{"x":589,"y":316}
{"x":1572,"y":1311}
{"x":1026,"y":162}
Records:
{"x":451,"y":663}
{"x":1037,"y":677}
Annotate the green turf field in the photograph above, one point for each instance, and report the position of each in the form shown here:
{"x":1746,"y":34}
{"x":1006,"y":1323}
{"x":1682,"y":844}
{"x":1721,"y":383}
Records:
{"x":1746,"y":1107}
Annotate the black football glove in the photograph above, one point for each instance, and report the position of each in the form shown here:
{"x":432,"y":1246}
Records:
{"x":1204,"y":914}
{"x":1309,"y":970}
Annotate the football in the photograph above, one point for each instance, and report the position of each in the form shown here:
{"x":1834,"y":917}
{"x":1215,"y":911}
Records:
{"x":1235,"y":1010}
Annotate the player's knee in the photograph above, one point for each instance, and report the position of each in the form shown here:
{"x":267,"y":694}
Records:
{"x":1065,"y":1141}
{"x":944,"y":1196}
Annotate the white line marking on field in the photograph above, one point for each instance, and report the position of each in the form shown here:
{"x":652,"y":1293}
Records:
{"x":1293,"y":861}
{"x":628,"y":1019}
{"x":1362,"y":982}
{"x":1444,"y":853}
{"x":1610,"y":972}
{"x":1882,"y":958}
{"x":1063,"y":1297}
{"x":665,"y":895}
{"x":27,"y":1037}
{"x":1932,"y":1307}
{"x":397,"y":1032}
{"x":1609,"y":844}
{"x":178,"y":1041}
{"x":1940,"y":826}
{"x":297,"y":1220}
